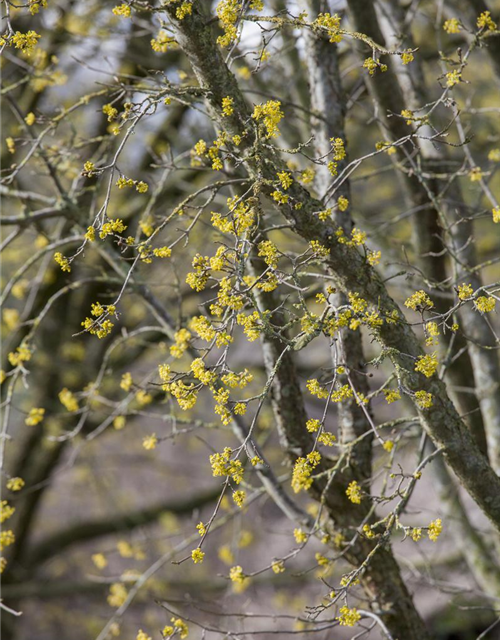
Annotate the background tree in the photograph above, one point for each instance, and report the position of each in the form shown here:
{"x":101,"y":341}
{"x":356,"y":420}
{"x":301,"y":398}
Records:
{"x":249,"y":291}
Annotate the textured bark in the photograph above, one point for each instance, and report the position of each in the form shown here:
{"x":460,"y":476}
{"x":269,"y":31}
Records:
{"x":347,"y":266}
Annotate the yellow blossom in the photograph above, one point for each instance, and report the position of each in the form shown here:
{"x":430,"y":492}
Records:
{"x":197,"y":555}
{"x":435,"y":529}
{"x":353,"y":492}
{"x":150,"y":442}
{"x":15,"y":484}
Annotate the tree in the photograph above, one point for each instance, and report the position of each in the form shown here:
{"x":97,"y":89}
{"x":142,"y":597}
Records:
{"x":279,"y":294}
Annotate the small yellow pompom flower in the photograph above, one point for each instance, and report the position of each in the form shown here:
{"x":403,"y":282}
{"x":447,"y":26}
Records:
{"x":197,"y":555}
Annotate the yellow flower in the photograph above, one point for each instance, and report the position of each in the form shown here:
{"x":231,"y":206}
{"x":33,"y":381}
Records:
{"x":285,"y":179}
{"x":239,"y":498}
{"x":452,"y":26}
{"x":99,"y":559}
{"x":392,"y":395}
{"x":423,"y":399}
{"x":150,"y":442}
{"x":485,"y":304}
{"x":227,"y":106}
{"x":6,"y":511}
{"x":353,"y":492}
{"x":270,"y":113}
{"x":348,"y":617}
{"x":427,"y":365}
{"x":122,"y":10}
{"x":278,"y":566}
{"x":68,"y":400}
{"x":197,"y":555}
{"x":30,"y":119}
{"x":453,"y":78}
{"x":484,"y":21}
{"x":117,"y":595}
{"x":465,"y":291}
{"x":300,"y":536}
{"x":62,"y":261}
{"x":419,"y":301}
{"x":15,"y":484}
{"x":35,"y":416}
{"x":435,"y":529}
{"x":407,"y":57}
{"x":179,"y":626}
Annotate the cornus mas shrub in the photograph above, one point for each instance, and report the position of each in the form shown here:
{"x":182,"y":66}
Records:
{"x":249,"y":290}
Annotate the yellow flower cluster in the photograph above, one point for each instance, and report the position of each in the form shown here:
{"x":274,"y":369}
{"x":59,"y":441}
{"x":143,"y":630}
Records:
{"x":112,"y":226}
{"x":271,"y":114}
{"x":348,"y":617}
{"x":423,"y":399}
{"x":197,"y":555}
{"x":313,"y":425}
{"x":315,"y":389}
{"x":68,"y":400}
{"x":122,"y":10}
{"x":300,"y":536}
{"x":6,"y":539}
{"x":485,"y":304}
{"x":26,"y":42}
{"x":327,"y":439}
{"x":34,"y":6}
{"x":62,"y":261}
{"x":302,"y":470}
{"x":435,"y":529}
{"x":20,"y":355}
{"x":178,"y":627}
{"x":476,"y":174}
{"x":15,"y":484}
{"x":358,"y":237}
{"x":241,"y":217}
{"x":372,"y":65}
{"x":227,"y":12}
{"x":419,"y":301}
{"x":227,"y":106}
{"x":198,"y":278}
{"x":453,"y":78}
{"x":222,"y":465}
{"x":485,"y":21}
{"x":186,"y":9}
{"x":465,"y":291}
{"x":407,"y":57}
{"x":162,"y":42}
{"x":278,"y":566}
{"x":236,"y":574}
{"x":182,"y":338}
{"x":150,"y":442}
{"x":269,"y":252}
{"x":117,"y":595}
{"x":239,"y":498}
{"x":353,"y":492}
{"x":452,"y":26}
{"x":427,"y":365}
{"x":6,"y":511}
{"x":251,"y":325}
{"x":285,"y":179}
{"x":343,"y":203}
{"x":342,"y":393}
{"x":35,"y":417}
{"x":331,"y":24}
